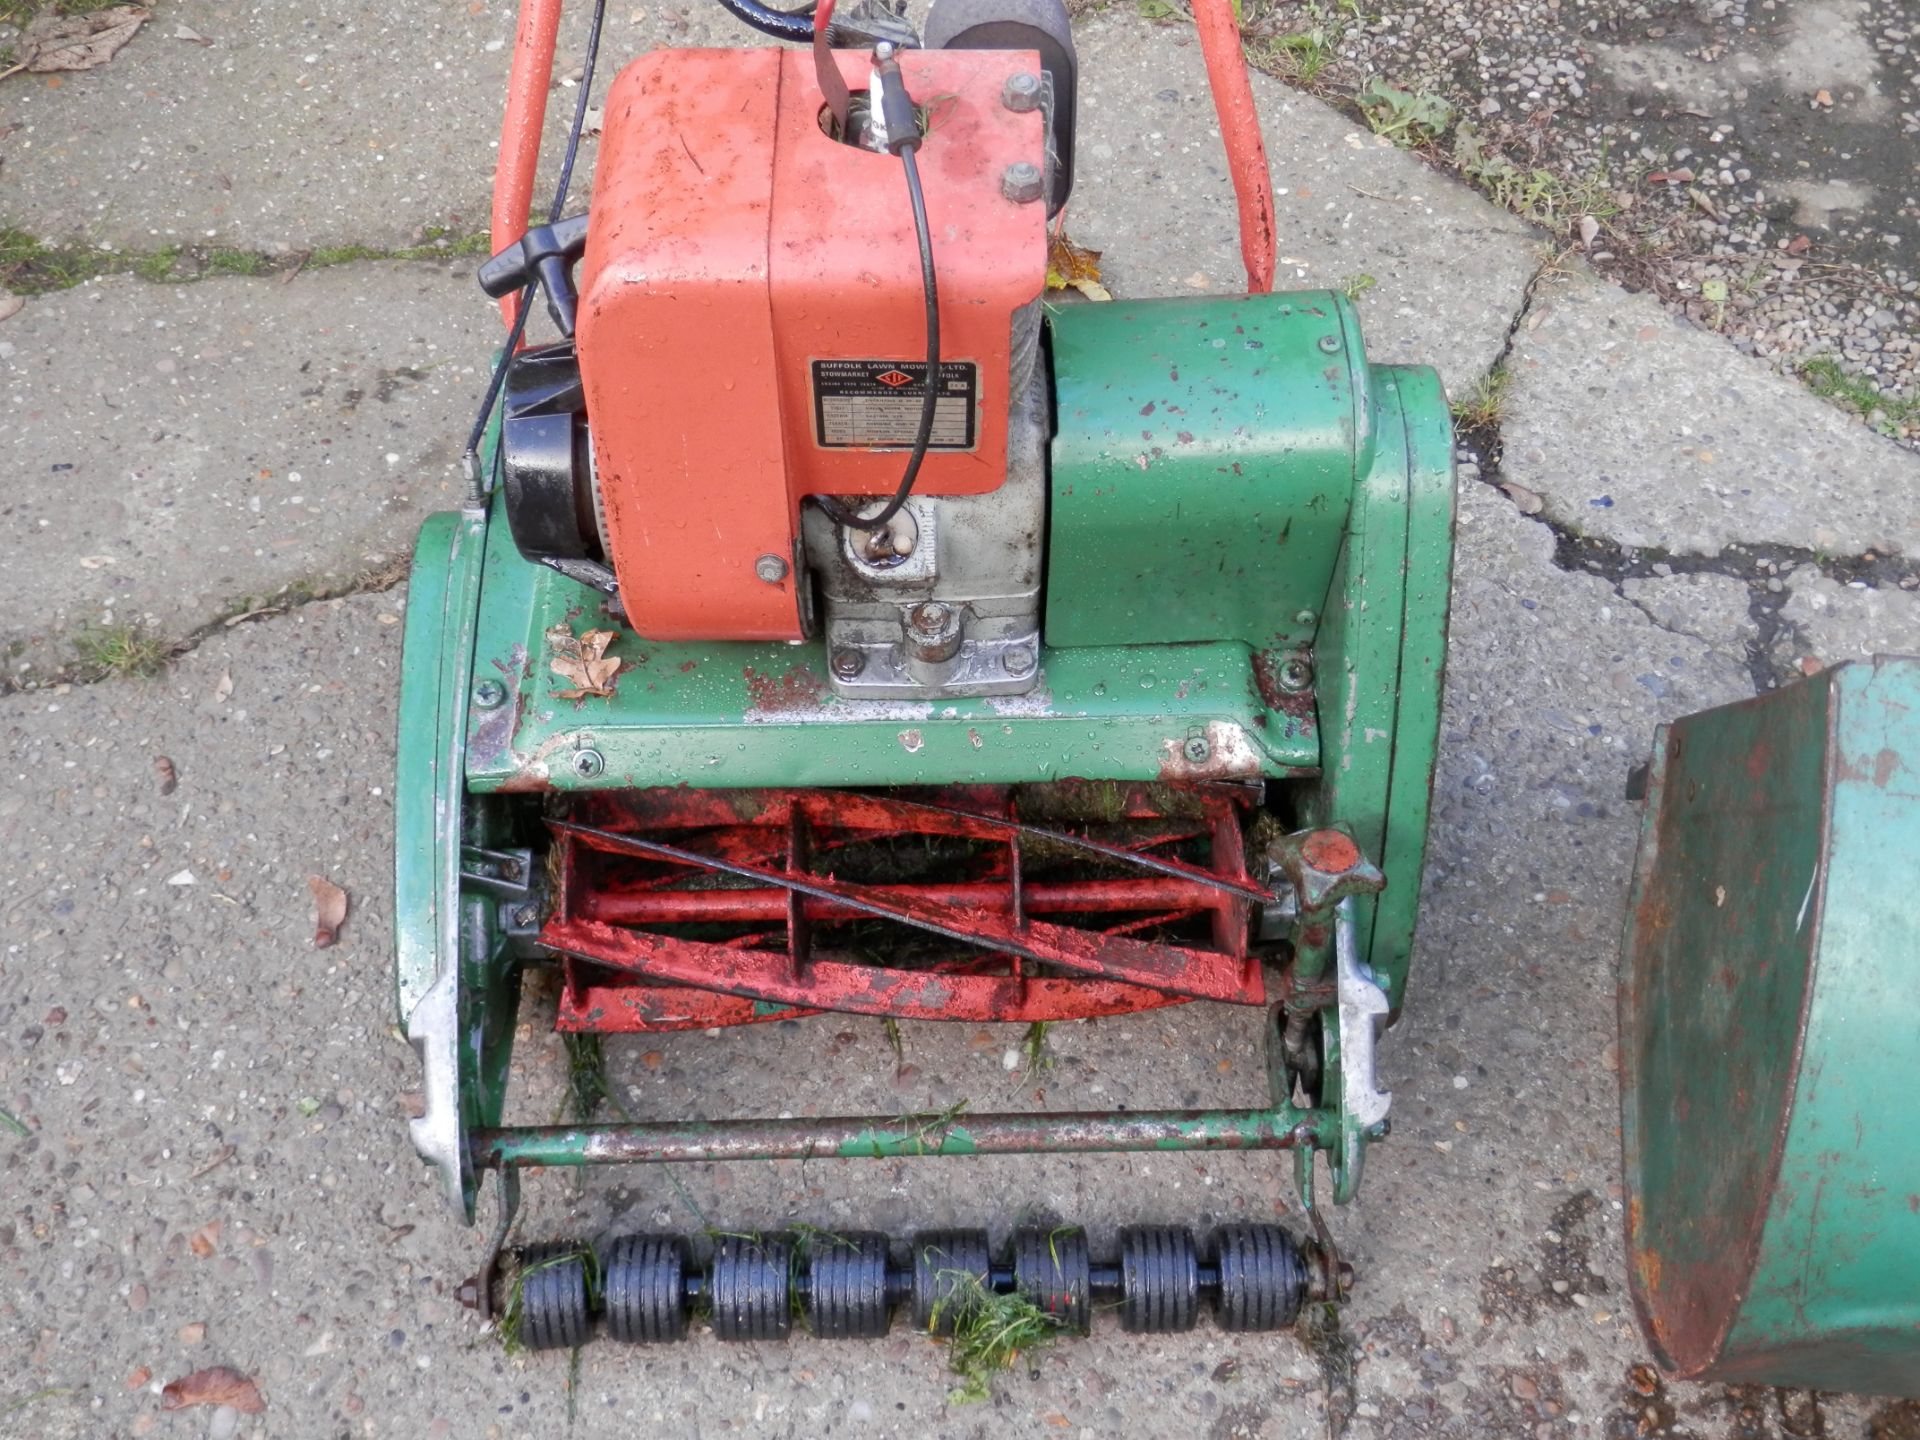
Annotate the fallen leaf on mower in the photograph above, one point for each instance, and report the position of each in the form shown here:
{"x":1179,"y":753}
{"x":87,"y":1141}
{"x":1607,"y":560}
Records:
{"x":216,"y":1385}
{"x":77,"y":42}
{"x":582,"y":661}
{"x":1072,"y":267}
{"x":330,"y":911}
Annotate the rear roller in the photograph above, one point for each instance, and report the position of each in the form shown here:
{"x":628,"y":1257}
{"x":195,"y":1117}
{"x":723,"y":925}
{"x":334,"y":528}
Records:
{"x":643,"y":1284}
{"x":751,"y":1284}
{"x":948,"y":1266}
{"x":847,"y":1286}
{"x":554,"y":1302}
{"x":1262,"y":1278}
{"x":1052,"y":1269}
{"x":1159,"y":1279}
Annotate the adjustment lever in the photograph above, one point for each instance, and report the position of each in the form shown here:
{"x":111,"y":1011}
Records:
{"x":545,"y":255}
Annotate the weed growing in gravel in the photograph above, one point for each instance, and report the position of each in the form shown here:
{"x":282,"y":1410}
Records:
{"x":990,"y":1332}
{"x":1302,"y":56}
{"x":1406,"y":117}
{"x":1553,"y":201}
{"x":1886,"y":413}
{"x":1354,"y":286}
{"x":120,"y":650}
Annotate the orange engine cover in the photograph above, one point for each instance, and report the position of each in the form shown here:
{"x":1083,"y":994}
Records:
{"x":750,"y":300}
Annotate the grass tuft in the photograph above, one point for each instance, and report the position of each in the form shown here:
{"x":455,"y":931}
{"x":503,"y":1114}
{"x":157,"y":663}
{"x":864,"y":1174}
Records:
{"x":120,"y":650}
{"x":1033,"y":1047}
{"x":990,"y":1332}
{"x":1887,"y":413}
{"x":1483,"y":407}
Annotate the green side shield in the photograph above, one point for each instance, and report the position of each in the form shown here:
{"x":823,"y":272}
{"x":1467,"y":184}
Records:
{"x":1770,"y":1038}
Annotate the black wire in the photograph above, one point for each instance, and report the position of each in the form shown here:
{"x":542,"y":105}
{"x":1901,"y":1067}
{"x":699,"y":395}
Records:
{"x":930,"y":394}
{"x":525,"y":305}
{"x":781,"y":24}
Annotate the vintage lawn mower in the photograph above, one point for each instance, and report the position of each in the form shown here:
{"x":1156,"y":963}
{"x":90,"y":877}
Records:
{"x":835,"y":624}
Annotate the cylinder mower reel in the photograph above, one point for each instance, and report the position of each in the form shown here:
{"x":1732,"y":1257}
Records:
{"x":838,"y":625}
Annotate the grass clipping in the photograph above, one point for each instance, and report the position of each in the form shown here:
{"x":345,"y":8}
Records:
{"x":990,"y":1333}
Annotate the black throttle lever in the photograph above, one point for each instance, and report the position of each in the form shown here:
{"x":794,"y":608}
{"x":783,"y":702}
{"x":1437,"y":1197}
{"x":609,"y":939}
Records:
{"x":545,"y":255}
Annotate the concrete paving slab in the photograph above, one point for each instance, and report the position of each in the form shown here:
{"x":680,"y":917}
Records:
{"x":177,"y":451}
{"x":1641,"y":429}
{"x":1827,"y":622}
{"x":325,"y":123}
{"x":1713,"y":608}
{"x":196,"y":1077}
{"x":1151,"y":191}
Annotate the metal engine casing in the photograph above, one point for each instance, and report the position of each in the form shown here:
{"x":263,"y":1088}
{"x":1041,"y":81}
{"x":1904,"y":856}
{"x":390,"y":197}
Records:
{"x":959,"y":612}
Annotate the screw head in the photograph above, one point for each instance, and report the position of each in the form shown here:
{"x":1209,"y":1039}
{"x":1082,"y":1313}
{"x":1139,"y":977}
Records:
{"x":1018,"y":660}
{"x":489,"y":693}
{"x":589,"y":763}
{"x":1329,"y":343}
{"x":1295,"y":675}
{"x":771,"y":568}
{"x":1197,"y":749}
{"x":930,"y":618}
{"x":1021,"y":93}
{"x":1306,"y":617}
{"x":848,"y":663}
{"x":1021,"y":182}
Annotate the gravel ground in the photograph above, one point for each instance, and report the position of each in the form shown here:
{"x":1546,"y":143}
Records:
{"x":1751,"y":162}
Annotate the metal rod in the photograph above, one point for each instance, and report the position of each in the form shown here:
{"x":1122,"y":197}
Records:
{"x":635,"y":906}
{"x":898,"y":1136}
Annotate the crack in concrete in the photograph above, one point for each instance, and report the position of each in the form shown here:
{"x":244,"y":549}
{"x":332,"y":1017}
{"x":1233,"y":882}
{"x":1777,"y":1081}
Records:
{"x":77,"y":675}
{"x":1761,"y":566}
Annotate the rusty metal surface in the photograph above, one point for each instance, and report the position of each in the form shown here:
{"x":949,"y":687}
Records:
{"x":642,"y":889}
{"x":1768,"y":1018}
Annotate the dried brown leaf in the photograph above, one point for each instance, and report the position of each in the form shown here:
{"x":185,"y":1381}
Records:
{"x":169,"y":777}
{"x":1074,"y":267}
{"x":11,"y":304}
{"x":329,"y":910}
{"x":77,"y":42}
{"x":216,"y":1385}
{"x":1529,"y":502}
{"x":582,"y":661}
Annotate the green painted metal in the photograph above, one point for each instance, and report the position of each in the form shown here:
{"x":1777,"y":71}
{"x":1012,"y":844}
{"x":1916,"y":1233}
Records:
{"x":742,"y":715}
{"x":1379,"y":658}
{"x":1311,"y":530}
{"x":899,"y":1137}
{"x":1769,"y":1018}
{"x":1205,"y":456}
{"x":456,"y":988}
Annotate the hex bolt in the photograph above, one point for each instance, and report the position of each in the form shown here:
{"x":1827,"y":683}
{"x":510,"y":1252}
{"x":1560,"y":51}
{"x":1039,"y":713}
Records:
{"x":930,"y":618}
{"x":1021,"y":93}
{"x":1380,"y":1129}
{"x":848,"y":663}
{"x":1021,"y":182}
{"x":1295,"y":675}
{"x":1197,"y":749}
{"x":588,"y":763}
{"x":1329,"y":343}
{"x":1018,"y":660}
{"x":770,"y":568}
{"x":488,"y":694}
{"x":525,"y":916}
